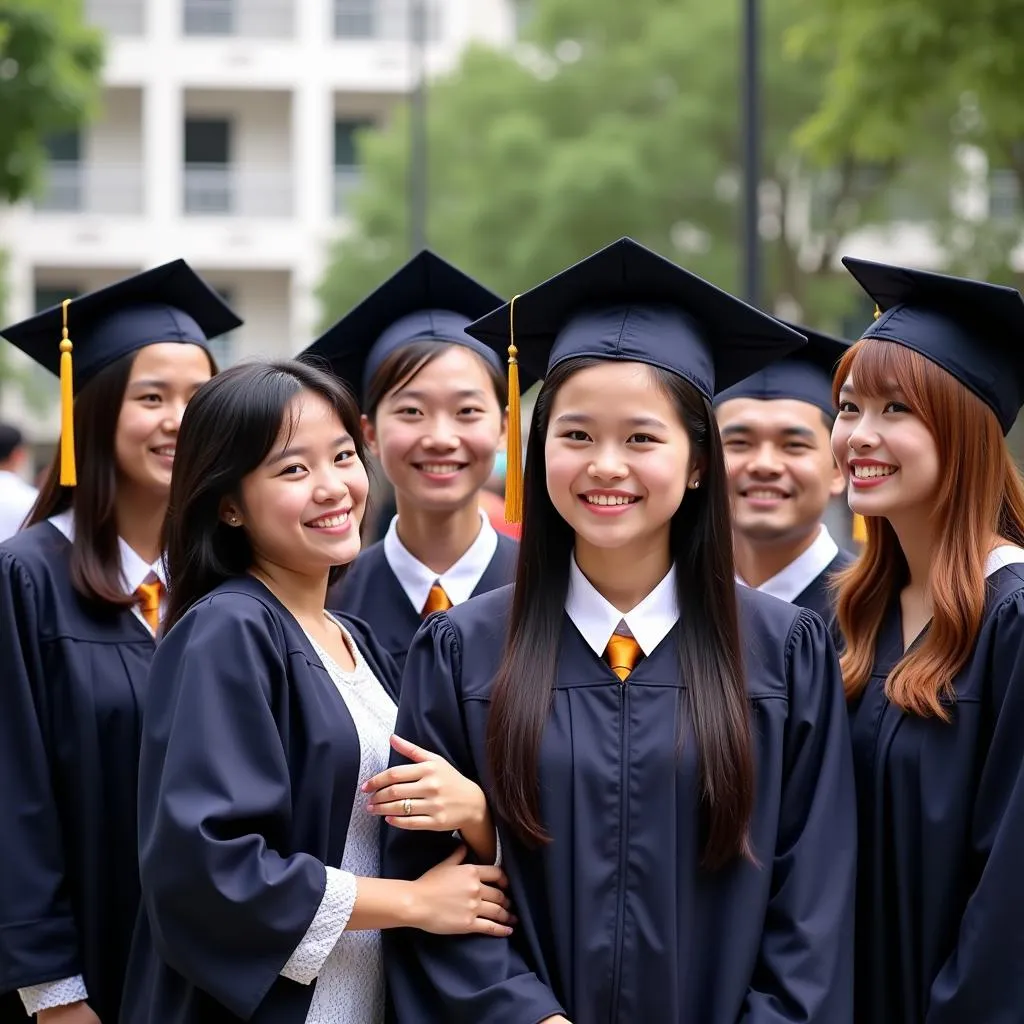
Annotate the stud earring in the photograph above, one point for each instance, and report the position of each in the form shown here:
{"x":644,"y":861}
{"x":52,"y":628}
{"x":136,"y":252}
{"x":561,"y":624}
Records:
{"x":695,"y":484}
{"x":234,"y":520}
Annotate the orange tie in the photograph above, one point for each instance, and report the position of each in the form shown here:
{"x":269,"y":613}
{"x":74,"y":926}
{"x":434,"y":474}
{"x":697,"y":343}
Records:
{"x":149,"y":603}
{"x":622,"y":654}
{"x":437,"y":601}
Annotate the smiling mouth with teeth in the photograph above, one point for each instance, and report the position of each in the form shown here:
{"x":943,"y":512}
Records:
{"x":327,"y":522}
{"x":440,"y":468}
{"x":761,"y":494}
{"x":609,"y":499}
{"x":167,"y":450}
{"x":869,"y":472}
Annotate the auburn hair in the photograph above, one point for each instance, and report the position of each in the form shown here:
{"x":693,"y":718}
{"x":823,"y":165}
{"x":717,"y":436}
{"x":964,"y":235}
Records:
{"x":980,"y":495}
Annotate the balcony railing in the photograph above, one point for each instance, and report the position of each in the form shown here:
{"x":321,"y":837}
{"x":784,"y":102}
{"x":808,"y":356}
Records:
{"x":254,"y":19}
{"x":117,"y":17}
{"x":74,"y":187}
{"x":346,"y":181}
{"x":224,"y":190}
{"x":385,"y":20}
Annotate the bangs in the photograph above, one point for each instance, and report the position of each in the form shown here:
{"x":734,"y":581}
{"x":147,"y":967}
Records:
{"x":880,"y":367}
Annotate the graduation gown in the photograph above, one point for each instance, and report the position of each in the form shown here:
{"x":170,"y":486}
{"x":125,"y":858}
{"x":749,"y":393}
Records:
{"x":817,"y":595}
{"x":940,"y":905}
{"x":247,"y":780}
{"x":71,"y":685}
{"x":371,"y":591}
{"x":618,"y":924}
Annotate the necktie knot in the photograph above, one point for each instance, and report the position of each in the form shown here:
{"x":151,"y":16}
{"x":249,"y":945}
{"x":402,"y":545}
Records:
{"x":622,"y":654}
{"x":149,"y":595}
{"x":437,"y":601}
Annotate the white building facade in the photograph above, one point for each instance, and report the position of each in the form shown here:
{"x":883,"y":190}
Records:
{"x":227,"y":138}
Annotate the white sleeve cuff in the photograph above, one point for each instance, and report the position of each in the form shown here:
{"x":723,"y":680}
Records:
{"x":325,"y":929}
{"x":53,"y":993}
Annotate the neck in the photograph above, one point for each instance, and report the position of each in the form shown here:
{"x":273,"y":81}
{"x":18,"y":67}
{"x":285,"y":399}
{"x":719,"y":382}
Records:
{"x":758,"y":561}
{"x":303,"y":595}
{"x":437,"y":539}
{"x":916,"y":536}
{"x":140,"y":522}
{"x":624,"y":576}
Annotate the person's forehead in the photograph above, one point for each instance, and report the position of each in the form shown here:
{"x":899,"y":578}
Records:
{"x":759,"y":416}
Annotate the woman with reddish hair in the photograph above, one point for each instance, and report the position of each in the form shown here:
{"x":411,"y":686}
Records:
{"x":933,"y":617}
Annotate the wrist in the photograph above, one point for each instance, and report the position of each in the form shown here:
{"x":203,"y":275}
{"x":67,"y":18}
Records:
{"x":409,"y":905}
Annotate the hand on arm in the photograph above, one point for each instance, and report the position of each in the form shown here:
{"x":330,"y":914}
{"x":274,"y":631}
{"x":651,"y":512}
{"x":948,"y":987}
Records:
{"x":440,"y":799}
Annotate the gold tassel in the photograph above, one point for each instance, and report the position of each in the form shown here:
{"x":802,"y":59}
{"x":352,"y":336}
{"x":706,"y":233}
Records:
{"x":514,"y":467}
{"x":878,"y":310}
{"x":68,"y":474}
{"x":860,"y":529}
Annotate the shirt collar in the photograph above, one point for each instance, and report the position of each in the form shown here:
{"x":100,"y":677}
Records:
{"x":597,"y":619}
{"x":1005,"y":554}
{"x":796,"y":577}
{"x":134,"y":569}
{"x":458,"y":582}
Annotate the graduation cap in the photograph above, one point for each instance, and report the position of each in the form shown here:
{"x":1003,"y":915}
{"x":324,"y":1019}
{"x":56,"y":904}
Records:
{"x":973,"y":330}
{"x":169,"y":303}
{"x":805,"y":376}
{"x":627,"y":302}
{"x":428,"y":299}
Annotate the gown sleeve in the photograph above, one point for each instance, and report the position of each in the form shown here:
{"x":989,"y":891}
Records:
{"x":441,"y":978}
{"x":982,"y":981}
{"x":227,"y":910}
{"x":805,"y":967}
{"x":38,"y":934}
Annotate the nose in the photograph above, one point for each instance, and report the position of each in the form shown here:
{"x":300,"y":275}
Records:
{"x":863,"y":436}
{"x":764,"y":461}
{"x":607,"y":465}
{"x":442,"y":435}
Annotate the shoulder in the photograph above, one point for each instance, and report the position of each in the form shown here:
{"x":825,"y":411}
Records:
{"x":481,"y":618}
{"x":234,"y":607}
{"x":38,"y":552}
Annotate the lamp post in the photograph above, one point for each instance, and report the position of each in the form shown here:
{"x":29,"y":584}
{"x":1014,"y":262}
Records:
{"x":418,"y":127}
{"x":750,"y":241}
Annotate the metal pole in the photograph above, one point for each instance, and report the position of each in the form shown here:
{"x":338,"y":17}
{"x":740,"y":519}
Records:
{"x":750,"y":242}
{"x":418,"y":128}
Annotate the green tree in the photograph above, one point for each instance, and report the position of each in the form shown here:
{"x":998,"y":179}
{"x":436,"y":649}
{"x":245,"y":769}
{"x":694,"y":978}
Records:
{"x":49,"y":82}
{"x":616,"y":118}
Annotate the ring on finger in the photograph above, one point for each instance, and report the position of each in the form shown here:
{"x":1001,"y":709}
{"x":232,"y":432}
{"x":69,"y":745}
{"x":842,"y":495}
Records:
{"x":407,"y":806}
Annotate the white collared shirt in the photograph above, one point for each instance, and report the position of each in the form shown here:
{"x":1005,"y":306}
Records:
{"x":458,"y":582}
{"x":792,"y":581}
{"x":597,"y":619}
{"x":1005,"y":554}
{"x":16,"y":500}
{"x":135,"y":570}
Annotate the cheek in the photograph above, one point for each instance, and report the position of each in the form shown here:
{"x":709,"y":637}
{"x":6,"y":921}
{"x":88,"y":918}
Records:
{"x":394,"y":440}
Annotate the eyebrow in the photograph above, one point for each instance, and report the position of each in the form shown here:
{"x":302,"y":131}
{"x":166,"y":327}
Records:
{"x":632,"y":421}
{"x":794,"y":431}
{"x":296,"y":452}
{"x":147,"y":383}
{"x":423,"y":395}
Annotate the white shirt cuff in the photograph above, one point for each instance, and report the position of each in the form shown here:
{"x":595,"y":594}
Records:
{"x":325,"y":929}
{"x":53,"y":993}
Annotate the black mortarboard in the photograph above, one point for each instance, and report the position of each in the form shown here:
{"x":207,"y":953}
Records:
{"x":972,"y":329}
{"x":805,"y":376}
{"x":426,"y":300}
{"x":170,"y":303}
{"x":627,"y":302}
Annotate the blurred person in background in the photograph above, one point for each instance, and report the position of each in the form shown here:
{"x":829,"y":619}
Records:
{"x":17,"y":496}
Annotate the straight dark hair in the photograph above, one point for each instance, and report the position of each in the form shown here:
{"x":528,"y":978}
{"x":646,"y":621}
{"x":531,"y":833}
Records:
{"x":405,"y":363}
{"x":708,"y":634}
{"x":95,"y":564}
{"x":228,"y":429}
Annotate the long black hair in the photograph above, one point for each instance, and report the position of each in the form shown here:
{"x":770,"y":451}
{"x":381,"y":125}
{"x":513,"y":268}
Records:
{"x":228,"y":429}
{"x":710,"y":658}
{"x":95,"y":559}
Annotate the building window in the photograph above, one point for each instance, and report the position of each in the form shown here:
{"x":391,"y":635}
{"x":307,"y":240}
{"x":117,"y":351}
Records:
{"x":64,"y":172}
{"x":208,"y":165}
{"x":47,"y":295}
{"x":346,"y":160}
{"x":223,"y":347}
{"x":209,"y":17}
{"x":355,"y":19}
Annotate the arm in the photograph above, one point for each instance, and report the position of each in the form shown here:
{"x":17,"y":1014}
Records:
{"x":804,"y":971}
{"x":39,"y":952}
{"x":981,"y":981}
{"x":436,"y":978}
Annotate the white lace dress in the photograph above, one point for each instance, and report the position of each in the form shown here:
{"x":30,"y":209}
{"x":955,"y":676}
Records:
{"x":350,"y":981}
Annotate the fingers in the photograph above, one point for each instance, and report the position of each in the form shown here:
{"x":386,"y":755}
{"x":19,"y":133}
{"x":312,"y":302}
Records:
{"x":414,"y":823}
{"x":492,"y":895}
{"x":457,"y":856}
{"x":492,"y":874}
{"x":396,"y":774}
{"x":408,"y":749}
{"x":496,"y":912}
{"x":484,"y":926}
{"x":421,"y":789}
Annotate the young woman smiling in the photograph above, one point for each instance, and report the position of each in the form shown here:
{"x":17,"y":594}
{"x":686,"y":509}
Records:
{"x":677,"y":819}
{"x":433,"y":400}
{"x":80,"y":603}
{"x":933,"y":617}
{"x":265,"y":720}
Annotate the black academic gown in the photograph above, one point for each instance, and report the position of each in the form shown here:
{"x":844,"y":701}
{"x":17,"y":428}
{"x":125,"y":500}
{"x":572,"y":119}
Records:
{"x":371,"y":591}
{"x":617,"y":922}
{"x":818,"y":595}
{"x":72,"y":677}
{"x":940,"y":904}
{"x":247,"y":780}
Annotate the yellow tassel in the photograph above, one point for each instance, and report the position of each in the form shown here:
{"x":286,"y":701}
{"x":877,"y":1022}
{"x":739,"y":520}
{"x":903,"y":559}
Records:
{"x":68,"y":475}
{"x":514,"y":468}
{"x":860,"y":529}
{"x":878,"y":310}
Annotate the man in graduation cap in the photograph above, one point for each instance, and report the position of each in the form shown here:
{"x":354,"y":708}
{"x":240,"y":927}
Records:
{"x":776,"y":429}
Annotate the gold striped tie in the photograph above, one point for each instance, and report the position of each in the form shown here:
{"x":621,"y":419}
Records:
{"x":149,"y":603}
{"x":437,"y":601}
{"x":622,"y":654}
